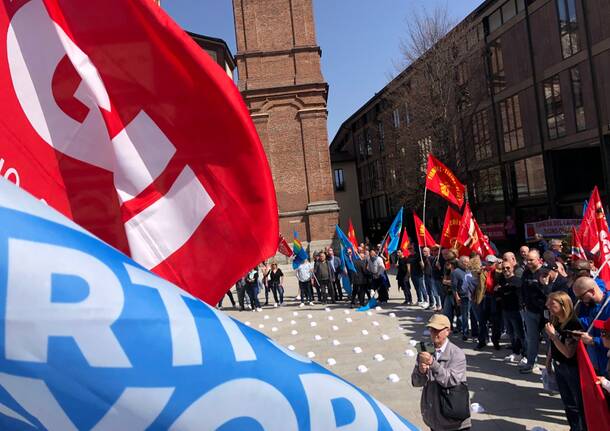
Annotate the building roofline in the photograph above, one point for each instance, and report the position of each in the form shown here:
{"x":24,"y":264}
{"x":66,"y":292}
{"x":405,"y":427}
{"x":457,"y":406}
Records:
{"x":218,"y":41}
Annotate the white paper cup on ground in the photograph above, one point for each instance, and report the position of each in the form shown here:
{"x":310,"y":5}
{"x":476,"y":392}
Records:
{"x":291,"y":347}
{"x":392,"y":315}
{"x":362,"y":368}
{"x":293,"y":322}
{"x":336,"y":342}
{"x":279,"y":319}
{"x":375,"y":323}
{"x":335,"y":328}
{"x":393,"y":378}
{"x":385,"y":337}
{"x":476,"y":408}
{"x":357,"y":349}
{"x":409,"y":353}
{"x":331,"y":361}
{"x":379,"y":357}
{"x":311,"y":355}
{"x":317,"y":337}
{"x":348,"y":320}
{"x":274,"y":329}
{"x":266,"y":317}
{"x":295,"y":313}
{"x":365,"y":332}
{"x":313,"y":324}
{"x":294,"y":332}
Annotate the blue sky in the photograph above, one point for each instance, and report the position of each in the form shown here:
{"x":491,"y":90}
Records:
{"x":359,"y":39}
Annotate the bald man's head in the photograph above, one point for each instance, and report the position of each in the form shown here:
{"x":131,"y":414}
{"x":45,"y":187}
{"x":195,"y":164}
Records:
{"x":509,"y":257}
{"x":587,"y":290}
{"x":533,"y":260}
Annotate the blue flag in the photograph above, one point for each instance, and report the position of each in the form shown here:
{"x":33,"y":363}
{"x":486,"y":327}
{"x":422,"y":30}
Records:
{"x":394,"y":232}
{"x":300,"y":254}
{"x":345,"y":242}
{"x":92,"y":340}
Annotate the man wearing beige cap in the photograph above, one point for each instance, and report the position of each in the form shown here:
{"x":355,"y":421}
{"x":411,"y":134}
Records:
{"x":441,"y":371}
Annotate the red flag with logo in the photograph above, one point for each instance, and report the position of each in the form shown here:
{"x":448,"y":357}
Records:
{"x":596,"y":411}
{"x":405,"y":243}
{"x":284,"y":248}
{"x":424,"y":238}
{"x":384,"y":252}
{"x":593,"y":234}
{"x":440,"y":180}
{"x":351,"y":234}
{"x":451,"y":227}
{"x":115,"y":117}
{"x":470,"y":235}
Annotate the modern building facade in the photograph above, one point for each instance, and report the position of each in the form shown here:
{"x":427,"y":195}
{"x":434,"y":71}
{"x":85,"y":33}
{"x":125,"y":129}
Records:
{"x":280,"y":78}
{"x":536,"y":142}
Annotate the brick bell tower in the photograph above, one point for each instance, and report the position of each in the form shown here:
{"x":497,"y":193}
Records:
{"x":280,"y":78}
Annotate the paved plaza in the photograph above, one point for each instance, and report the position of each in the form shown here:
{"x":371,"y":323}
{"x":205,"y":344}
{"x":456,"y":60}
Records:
{"x":372,"y":349}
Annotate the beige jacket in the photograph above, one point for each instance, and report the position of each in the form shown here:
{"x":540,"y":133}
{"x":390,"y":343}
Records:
{"x":449,"y":370}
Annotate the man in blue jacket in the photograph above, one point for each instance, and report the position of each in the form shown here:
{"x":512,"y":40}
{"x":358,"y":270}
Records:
{"x":593,"y":305}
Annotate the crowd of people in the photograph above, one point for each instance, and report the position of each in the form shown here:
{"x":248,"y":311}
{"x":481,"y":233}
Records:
{"x":538,"y":297}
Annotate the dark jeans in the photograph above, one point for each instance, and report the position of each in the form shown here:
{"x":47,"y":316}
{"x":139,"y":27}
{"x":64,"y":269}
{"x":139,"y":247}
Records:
{"x":514,"y":327}
{"x":382,"y":290}
{"x":230,"y":295}
{"x":277,"y":292}
{"x":449,"y":311}
{"x":358,"y":291}
{"x":467,"y":309}
{"x":405,"y":286}
{"x":306,"y":292}
{"x":251,"y":292}
{"x":323,"y":292}
{"x":420,"y":289}
{"x":568,"y":381}
{"x":489,"y":312}
{"x":532,"y":335}
{"x":338,"y":289}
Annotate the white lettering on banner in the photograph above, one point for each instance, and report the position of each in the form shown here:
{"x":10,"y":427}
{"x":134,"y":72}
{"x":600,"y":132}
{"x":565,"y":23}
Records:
{"x":30,"y":292}
{"x":242,"y":349}
{"x":135,"y":410}
{"x":10,"y":174}
{"x":136,"y":156}
{"x":186,"y":346}
{"x":321,"y":389}
{"x":36,"y":398}
{"x":250,"y":398}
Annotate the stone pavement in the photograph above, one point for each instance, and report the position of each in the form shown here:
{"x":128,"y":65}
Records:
{"x":367,"y":348}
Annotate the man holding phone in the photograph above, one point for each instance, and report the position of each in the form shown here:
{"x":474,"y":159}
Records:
{"x":593,"y":305}
{"x":441,"y":365}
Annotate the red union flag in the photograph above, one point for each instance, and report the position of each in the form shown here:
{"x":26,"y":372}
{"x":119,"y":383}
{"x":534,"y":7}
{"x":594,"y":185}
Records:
{"x":593,"y":233}
{"x":351,"y":235}
{"x":470,"y":235}
{"x":451,"y":228}
{"x":424,"y":238}
{"x":440,"y":180}
{"x":115,"y":117}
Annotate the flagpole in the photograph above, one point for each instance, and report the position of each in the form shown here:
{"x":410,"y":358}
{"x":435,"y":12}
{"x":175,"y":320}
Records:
{"x":421,"y":250}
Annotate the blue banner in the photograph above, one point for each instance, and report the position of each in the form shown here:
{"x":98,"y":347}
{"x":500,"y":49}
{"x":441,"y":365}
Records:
{"x":91,"y":340}
{"x":345,"y":242}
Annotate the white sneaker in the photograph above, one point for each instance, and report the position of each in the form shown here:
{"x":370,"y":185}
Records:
{"x":298,"y":298}
{"x":259,"y":309}
{"x":523,"y":362}
{"x":310,"y":302}
{"x":275,"y":305}
{"x":513,"y":358}
{"x":302,"y":304}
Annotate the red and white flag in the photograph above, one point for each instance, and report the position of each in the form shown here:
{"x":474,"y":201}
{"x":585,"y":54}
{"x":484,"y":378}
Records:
{"x":284,"y":248}
{"x":115,"y":117}
{"x":471,"y":236}
{"x":594,"y":236}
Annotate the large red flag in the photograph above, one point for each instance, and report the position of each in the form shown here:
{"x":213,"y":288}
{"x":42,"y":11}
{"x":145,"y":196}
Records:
{"x":593,"y":233}
{"x":451,"y":227}
{"x":424,"y":238}
{"x":115,"y":117}
{"x":440,"y":180}
{"x":351,"y":235}
{"x":578,"y":252}
{"x":596,"y":411}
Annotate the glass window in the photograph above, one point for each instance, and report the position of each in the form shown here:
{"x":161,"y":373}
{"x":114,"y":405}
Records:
{"x":425,"y":147}
{"x":369,"y":143}
{"x":339,"y":180}
{"x":396,"y":118}
{"x":529,"y":176}
{"x":512,"y":128}
{"x":579,"y":106}
{"x":555,"y":117}
{"x":496,"y":66}
{"x":508,"y":10}
{"x":489,"y":185}
{"x":407,"y":114}
{"x":495,"y":20}
{"x":568,"y":27}
{"x":480,"y":136}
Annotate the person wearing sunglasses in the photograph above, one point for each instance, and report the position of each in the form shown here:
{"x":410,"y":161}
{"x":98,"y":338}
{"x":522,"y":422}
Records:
{"x":604,"y":330}
{"x":592,"y":305}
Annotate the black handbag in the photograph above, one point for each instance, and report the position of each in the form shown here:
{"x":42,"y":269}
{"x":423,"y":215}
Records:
{"x":455,"y":402}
